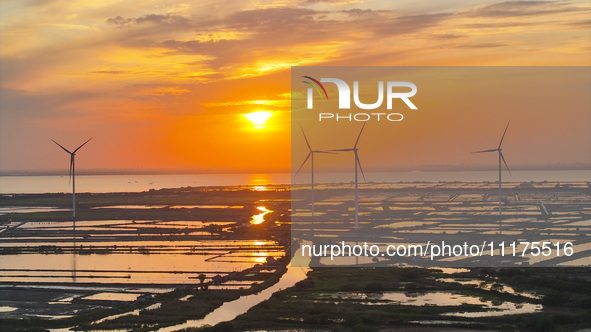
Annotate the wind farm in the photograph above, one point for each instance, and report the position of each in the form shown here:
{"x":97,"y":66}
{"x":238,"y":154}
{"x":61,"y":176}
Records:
{"x":175,"y":255}
{"x":72,"y":176}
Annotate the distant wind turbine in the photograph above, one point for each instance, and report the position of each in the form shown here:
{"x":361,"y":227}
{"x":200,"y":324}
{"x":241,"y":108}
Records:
{"x":500,"y":157}
{"x":73,"y":173}
{"x":311,"y":157}
{"x":357,"y":163}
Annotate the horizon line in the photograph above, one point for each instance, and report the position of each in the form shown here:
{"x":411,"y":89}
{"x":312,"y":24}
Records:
{"x":187,"y":171}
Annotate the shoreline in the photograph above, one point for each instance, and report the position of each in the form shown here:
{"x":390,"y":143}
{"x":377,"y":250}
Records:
{"x":145,"y":183}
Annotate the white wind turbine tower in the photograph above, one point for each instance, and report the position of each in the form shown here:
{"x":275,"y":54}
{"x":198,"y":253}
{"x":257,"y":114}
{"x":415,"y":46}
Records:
{"x":357,"y":163}
{"x":311,"y":157}
{"x":72,"y":173}
{"x":500,"y":157}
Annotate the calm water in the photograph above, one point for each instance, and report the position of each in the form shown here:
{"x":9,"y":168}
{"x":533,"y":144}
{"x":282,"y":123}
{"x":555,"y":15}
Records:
{"x":436,"y":298}
{"x":132,"y":183}
{"x":137,"y":183}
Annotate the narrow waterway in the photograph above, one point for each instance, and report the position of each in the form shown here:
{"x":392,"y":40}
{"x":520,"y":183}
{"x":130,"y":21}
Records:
{"x":230,"y":310}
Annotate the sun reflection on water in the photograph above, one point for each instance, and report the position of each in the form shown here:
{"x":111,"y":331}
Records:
{"x":259,"y":182}
{"x":260,"y":257}
{"x":260,"y":218}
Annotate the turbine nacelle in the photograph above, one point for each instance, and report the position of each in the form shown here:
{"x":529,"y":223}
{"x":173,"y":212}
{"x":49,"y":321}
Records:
{"x":355,"y":150}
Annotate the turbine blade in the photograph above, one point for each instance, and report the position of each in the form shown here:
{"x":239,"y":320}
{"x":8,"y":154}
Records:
{"x":82,"y":145}
{"x":501,"y":142}
{"x":71,"y":166}
{"x":61,"y":146}
{"x":307,"y":143}
{"x":359,"y":163}
{"x":491,"y":150}
{"x":308,"y":157}
{"x":329,"y":152}
{"x":340,"y":150}
{"x":359,"y":136}
{"x":502,"y":157}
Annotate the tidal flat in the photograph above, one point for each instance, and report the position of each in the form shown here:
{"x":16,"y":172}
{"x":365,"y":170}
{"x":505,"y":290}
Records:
{"x":129,"y":260}
{"x":165,"y":259}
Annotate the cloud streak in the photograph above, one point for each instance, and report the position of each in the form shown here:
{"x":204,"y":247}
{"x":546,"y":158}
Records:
{"x":525,"y":8}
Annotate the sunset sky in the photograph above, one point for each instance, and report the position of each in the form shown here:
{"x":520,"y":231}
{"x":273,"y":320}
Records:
{"x":165,"y":84}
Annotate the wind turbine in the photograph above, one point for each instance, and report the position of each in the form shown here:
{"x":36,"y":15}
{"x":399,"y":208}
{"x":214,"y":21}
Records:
{"x":311,"y":157}
{"x":72,"y":173}
{"x":500,"y":157}
{"x":357,"y":163}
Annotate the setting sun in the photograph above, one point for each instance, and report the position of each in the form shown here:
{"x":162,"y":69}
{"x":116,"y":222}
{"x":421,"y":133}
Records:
{"x":258,"y":118}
